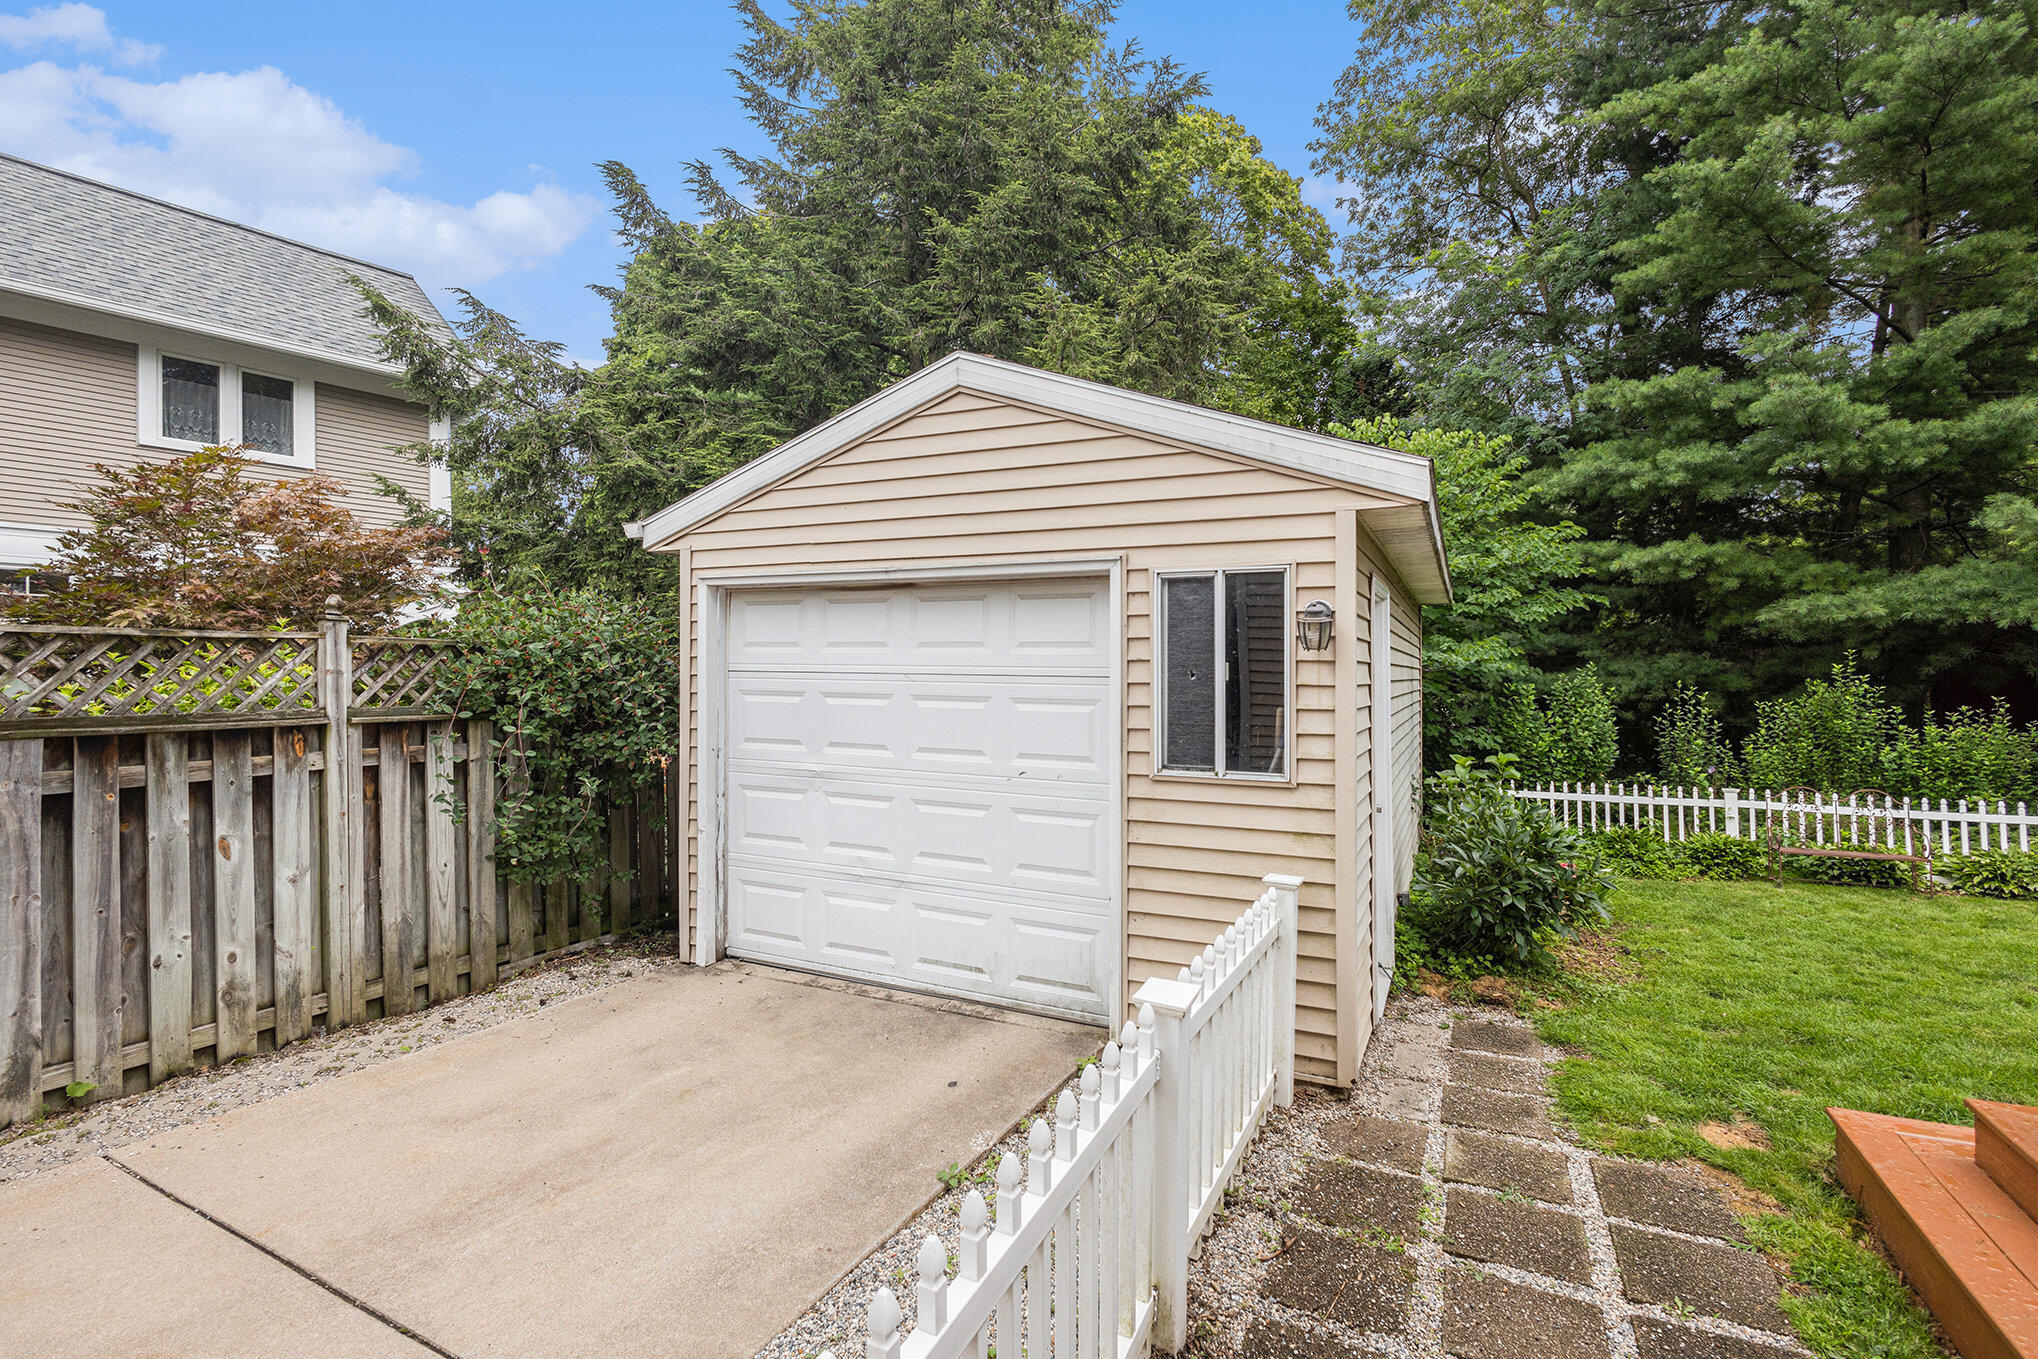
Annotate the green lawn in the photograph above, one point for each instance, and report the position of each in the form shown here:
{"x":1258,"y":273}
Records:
{"x":1747,"y":1001}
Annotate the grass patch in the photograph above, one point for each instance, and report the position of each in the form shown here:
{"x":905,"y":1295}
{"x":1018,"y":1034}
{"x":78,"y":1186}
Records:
{"x":1748,"y":1009}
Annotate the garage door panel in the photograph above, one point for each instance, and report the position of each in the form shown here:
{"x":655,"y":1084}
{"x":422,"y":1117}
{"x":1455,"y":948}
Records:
{"x":975,"y":836}
{"x":1040,"y":625}
{"x":937,"y":938}
{"x":994,"y":729}
{"x":919,"y":788}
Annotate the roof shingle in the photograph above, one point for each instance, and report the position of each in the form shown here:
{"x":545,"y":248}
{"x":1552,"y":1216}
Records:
{"x":132,"y":254}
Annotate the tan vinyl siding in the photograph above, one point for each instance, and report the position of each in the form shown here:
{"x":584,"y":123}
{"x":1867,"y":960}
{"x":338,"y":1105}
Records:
{"x":68,"y":401}
{"x":1407,"y":735}
{"x":970,"y":479}
{"x":358,"y":433}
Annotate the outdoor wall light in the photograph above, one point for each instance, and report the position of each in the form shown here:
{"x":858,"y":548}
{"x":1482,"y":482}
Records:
{"x":1314,"y":626}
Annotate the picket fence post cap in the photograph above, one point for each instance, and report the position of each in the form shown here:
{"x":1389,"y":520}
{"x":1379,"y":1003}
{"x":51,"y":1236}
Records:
{"x":1167,"y":997}
{"x":1287,"y":880}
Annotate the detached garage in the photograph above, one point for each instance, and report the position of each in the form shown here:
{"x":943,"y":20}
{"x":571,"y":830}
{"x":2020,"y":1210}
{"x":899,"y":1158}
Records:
{"x":1011,"y":686}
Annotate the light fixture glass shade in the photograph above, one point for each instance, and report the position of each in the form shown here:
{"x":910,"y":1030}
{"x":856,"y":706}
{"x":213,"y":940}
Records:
{"x":1315,"y":624}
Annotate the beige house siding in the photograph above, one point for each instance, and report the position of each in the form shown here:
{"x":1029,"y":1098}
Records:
{"x":971,"y":479}
{"x":68,"y":400}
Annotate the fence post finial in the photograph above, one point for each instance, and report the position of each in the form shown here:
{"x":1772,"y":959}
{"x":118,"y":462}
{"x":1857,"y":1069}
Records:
{"x":884,"y":1319}
{"x":1086,"y":1102}
{"x":933,"y":1288}
{"x":1008,"y":1195}
{"x":1109,"y":1064}
{"x":1128,"y":1048}
{"x":1039,"y":1157}
{"x":976,"y":1237}
{"x":1065,"y":1126}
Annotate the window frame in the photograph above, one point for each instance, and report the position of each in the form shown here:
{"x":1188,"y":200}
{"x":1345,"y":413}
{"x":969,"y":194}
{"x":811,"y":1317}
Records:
{"x":1221,"y":686}
{"x":149,"y":406}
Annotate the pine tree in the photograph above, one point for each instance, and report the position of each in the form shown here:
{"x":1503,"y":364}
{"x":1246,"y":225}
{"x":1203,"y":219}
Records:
{"x":1849,"y":231}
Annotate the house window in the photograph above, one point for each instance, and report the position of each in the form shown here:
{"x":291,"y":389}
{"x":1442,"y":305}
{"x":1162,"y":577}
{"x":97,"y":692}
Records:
{"x":188,"y":403}
{"x":191,"y":401}
{"x":265,"y":413}
{"x":1224,"y":668}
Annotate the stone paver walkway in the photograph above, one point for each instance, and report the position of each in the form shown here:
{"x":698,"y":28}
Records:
{"x":1440,"y":1211}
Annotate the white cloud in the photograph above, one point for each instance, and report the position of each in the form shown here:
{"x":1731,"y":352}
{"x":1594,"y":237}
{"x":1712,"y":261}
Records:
{"x":79,"y":26}
{"x":259,"y":148}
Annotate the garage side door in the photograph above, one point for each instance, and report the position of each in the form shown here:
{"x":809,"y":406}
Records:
{"x":919,"y":788}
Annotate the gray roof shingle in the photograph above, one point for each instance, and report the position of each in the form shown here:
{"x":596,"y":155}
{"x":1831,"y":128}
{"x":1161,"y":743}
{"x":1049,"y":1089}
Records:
{"x":129,"y":253}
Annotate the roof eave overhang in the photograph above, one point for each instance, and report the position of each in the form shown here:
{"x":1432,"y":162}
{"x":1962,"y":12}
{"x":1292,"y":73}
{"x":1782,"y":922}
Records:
{"x":1367,"y":466}
{"x":81,"y":303}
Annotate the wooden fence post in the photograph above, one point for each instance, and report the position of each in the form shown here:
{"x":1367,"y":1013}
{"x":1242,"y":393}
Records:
{"x":169,"y":910}
{"x":97,"y":1002}
{"x":20,"y":929}
{"x":481,"y":892}
{"x":345,"y":1003}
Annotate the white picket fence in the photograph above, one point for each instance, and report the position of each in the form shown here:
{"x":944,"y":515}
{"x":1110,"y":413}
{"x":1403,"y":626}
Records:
{"x":1088,"y":1255}
{"x":1911,"y":825}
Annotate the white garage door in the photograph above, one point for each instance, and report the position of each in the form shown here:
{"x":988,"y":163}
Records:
{"x":920,"y":788}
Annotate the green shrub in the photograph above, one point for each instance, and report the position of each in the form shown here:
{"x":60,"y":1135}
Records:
{"x":1497,"y":876}
{"x":1993,"y":873}
{"x":1830,"y":735}
{"x":1842,"y":733}
{"x":1691,"y":745}
{"x":580,"y":686}
{"x":1963,"y":754}
{"x":1569,"y":735}
{"x":1725,"y":857}
{"x":1631,"y":852}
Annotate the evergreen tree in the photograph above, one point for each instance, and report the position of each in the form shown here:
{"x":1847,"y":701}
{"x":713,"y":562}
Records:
{"x":980,"y":175}
{"x":1848,"y":226}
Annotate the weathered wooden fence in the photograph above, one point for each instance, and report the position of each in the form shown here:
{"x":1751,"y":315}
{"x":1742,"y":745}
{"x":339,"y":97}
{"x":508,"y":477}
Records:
{"x":1946,"y":826}
{"x":1089,"y":1252}
{"x":212,"y":842}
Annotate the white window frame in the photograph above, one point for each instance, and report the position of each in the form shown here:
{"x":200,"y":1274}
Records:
{"x":303,"y":407}
{"x":1221,"y":688}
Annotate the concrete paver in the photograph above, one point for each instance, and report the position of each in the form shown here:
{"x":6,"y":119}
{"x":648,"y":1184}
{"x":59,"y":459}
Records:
{"x":1734,"y":1285}
{"x":1520,"y":1235}
{"x":1382,"y":1141}
{"x":1655,"y":1339}
{"x":673,"y":1166}
{"x":94,"y":1264}
{"x":1503,"y":1163}
{"x":1364,"y":1287}
{"x":1490,"y":1318}
{"x":1660,"y":1197}
{"x":1522,"y":1115}
{"x":1361,"y":1198}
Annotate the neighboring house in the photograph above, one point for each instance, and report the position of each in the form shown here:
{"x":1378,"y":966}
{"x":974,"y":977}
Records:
{"x":933,"y":746}
{"x":133,"y":329}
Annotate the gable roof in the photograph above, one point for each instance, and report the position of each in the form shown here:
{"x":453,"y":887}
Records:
{"x":74,"y":240}
{"x":1409,"y":533}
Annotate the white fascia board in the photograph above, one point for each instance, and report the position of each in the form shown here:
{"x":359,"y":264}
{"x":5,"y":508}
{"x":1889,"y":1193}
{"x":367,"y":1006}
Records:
{"x":1340,"y":460}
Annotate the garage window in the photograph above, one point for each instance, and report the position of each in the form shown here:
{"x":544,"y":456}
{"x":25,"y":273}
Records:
{"x":1224,"y":672}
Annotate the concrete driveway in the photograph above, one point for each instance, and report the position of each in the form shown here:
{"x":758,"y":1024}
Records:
{"x":674,"y":1166}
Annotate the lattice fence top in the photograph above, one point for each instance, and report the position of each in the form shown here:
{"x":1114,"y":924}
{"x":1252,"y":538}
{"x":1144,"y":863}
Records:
{"x":113,"y":677}
{"x":402,"y":674}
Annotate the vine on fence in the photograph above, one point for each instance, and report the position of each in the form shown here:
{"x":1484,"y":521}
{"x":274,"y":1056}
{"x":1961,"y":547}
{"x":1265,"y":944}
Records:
{"x":583,"y":690}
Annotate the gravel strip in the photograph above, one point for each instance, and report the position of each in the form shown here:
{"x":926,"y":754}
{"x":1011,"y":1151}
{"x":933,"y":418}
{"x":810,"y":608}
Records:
{"x":71,"y":1136}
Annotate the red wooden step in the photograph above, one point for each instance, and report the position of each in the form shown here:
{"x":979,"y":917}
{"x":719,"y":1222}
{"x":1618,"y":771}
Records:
{"x":2006,"y":1146}
{"x":1968,"y":1249}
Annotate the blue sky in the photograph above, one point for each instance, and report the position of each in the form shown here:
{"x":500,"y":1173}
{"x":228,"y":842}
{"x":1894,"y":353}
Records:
{"x":459,"y":141}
